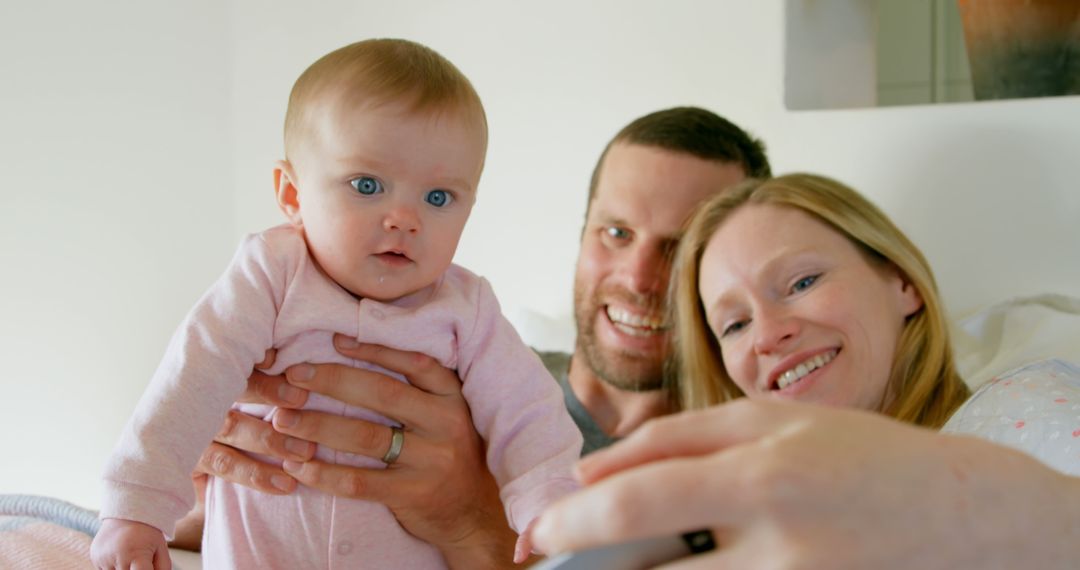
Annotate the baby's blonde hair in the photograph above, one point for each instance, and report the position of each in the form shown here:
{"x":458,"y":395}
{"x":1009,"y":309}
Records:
{"x":923,"y":378}
{"x":376,"y":71}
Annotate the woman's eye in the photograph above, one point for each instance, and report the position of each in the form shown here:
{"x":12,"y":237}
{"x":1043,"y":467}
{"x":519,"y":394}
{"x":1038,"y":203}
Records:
{"x":734,"y":328}
{"x":804,"y":283}
{"x":366,"y":185}
{"x":438,"y":198}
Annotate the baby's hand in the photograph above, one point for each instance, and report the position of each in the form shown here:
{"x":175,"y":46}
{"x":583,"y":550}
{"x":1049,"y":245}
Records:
{"x":129,"y":545}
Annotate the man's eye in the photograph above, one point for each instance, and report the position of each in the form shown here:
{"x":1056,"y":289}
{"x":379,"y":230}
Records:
{"x":366,"y":185}
{"x":618,"y":233}
{"x":439,"y":198}
{"x":804,"y":283}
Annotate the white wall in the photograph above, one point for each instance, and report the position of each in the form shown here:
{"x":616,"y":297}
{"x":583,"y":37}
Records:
{"x":117,"y":186}
{"x":558,"y":79}
{"x":987,"y":189}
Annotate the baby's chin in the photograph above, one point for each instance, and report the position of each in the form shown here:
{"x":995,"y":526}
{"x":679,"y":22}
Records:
{"x":389,"y":290}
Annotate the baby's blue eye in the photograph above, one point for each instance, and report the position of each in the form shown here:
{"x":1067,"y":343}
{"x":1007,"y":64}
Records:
{"x":804,"y":283}
{"x":366,"y":185}
{"x":438,"y":198}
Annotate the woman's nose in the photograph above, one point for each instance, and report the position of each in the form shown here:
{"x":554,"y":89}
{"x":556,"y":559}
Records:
{"x":773,"y":330}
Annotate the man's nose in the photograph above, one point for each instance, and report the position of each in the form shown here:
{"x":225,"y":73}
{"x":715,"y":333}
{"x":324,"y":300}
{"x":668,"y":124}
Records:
{"x":647,"y":270}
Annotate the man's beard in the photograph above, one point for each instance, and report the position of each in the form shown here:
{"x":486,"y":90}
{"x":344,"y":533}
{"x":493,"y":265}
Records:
{"x":624,"y":369}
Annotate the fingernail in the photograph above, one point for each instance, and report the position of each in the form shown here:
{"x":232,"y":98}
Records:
{"x":345,"y":342}
{"x":298,"y":447}
{"x":300,"y":373}
{"x":286,"y":418}
{"x":282,"y":482}
{"x":290,"y":394}
{"x":291,"y":466}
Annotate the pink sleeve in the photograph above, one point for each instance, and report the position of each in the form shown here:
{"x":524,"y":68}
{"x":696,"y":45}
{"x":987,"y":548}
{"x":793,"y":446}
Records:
{"x":518,"y":408}
{"x":204,"y":370}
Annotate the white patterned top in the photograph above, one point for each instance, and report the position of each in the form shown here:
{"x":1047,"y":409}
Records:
{"x":1034,"y":408}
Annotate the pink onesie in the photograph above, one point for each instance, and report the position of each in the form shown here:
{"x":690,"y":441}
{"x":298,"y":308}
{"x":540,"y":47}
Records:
{"x":274,"y":295}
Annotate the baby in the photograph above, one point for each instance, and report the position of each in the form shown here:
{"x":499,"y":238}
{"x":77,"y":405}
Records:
{"x":384,"y":145}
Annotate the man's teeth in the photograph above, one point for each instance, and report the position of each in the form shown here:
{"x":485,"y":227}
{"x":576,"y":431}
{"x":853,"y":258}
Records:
{"x":628,"y":319}
{"x":795,"y":374}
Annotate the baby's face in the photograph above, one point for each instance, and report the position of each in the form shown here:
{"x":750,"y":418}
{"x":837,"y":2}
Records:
{"x":384,"y":194}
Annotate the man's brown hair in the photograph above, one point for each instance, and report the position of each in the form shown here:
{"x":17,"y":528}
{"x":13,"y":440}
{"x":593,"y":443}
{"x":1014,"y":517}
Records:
{"x":694,"y":131}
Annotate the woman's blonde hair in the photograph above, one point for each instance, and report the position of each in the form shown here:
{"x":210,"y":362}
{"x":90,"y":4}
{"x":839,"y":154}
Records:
{"x":923,"y":379}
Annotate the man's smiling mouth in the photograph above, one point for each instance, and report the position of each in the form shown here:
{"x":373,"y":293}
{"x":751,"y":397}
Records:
{"x":635,"y":324}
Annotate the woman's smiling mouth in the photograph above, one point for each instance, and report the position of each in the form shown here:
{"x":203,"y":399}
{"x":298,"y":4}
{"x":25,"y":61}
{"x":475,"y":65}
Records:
{"x":801,"y":370}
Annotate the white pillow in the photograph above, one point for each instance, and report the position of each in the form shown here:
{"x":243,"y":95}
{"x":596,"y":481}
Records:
{"x":1034,"y":408}
{"x":544,"y":332}
{"x":1009,"y":334}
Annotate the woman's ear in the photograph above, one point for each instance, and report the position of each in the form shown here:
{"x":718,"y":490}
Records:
{"x":909,"y":299}
{"x":288,"y":197}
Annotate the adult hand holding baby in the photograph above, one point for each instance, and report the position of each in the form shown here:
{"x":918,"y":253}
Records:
{"x":438,"y":488}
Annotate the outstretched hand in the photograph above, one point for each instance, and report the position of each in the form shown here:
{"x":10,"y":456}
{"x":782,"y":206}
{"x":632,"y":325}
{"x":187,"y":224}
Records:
{"x":785,"y":485}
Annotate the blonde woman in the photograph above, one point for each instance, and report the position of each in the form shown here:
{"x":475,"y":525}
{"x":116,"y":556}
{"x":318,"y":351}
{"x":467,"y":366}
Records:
{"x":800,"y":294}
{"x":852,"y":299}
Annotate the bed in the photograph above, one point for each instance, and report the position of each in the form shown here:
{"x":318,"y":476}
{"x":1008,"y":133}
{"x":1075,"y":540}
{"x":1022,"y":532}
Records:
{"x":46,"y":533}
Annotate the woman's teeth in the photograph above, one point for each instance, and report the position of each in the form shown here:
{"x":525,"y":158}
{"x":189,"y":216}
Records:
{"x":795,"y":374}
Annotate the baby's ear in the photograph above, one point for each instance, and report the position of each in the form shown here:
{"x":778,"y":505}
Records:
{"x":288,"y":197}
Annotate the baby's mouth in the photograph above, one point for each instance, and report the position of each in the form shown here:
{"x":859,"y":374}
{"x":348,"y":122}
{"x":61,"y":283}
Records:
{"x":393,"y":256}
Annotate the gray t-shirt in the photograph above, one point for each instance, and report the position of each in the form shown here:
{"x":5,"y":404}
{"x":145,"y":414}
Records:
{"x":558,"y":364}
